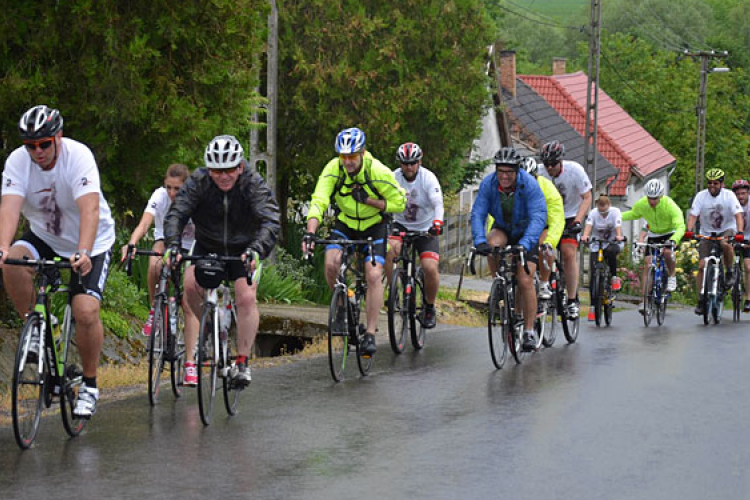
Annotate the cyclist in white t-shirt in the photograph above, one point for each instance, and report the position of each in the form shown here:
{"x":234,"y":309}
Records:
{"x":720,"y":214}
{"x":424,"y":212}
{"x":741,"y":189}
{"x":574,"y":186}
{"x":156,"y":209}
{"x":53,"y":182}
{"x":604,"y":223}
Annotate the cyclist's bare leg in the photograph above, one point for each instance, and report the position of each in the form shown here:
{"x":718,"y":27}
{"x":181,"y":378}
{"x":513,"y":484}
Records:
{"x":669,"y":259}
{"x":19,"y":280}
{"x":374,"y":299}
{"x":154,"y":268}
{"x":431,"y":279}
{"x":545,"y":271}
{"x":89,"y":332}
{"x":728,"y":251}
{"x":248,"y":316}
{"x":192,"y":301}
{"x":394,"y":248}
{"x":332,"y":263}
{"x":496,"y":238}
{"x":528,"y":294}
{"x":570,"y":260}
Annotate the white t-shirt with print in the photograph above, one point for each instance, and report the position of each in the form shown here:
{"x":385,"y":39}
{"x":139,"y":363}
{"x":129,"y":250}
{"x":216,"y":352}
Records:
{"x":572,"y":183}
{"x":50,"y":196}
{"x":746,"y":218}
{"x":158,"y":206}
{"x":604,"y":228}
{"x":424,"y":200}
{"x":716,"y":213}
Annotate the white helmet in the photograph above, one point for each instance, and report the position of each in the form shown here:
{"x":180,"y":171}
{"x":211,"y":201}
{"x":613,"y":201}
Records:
{"x":654,"y":188}
{"x":530,"y":165}
{"x":224,"y":151}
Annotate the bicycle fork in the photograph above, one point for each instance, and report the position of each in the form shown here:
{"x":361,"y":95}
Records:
{"x":715,"y":281}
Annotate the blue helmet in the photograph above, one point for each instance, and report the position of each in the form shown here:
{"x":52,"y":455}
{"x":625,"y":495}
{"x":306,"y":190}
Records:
{"x":350,"y":141}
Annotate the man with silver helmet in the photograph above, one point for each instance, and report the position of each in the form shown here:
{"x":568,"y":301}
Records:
{"x":234,"y":213}
{"x":54,"y":182}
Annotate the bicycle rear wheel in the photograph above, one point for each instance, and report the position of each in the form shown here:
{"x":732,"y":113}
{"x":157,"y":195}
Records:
{"x":338,"y":335}
{"x":156,"y":349}
{"x":416,"y":317}
{"x":363,"y":362}
{"x":496,"y":324}
{"x":550,"y":332}
{"x":648,"y":297}
{"x":230,"y":390}
{"x":207,"y":364}
{"x":72,"y":378}
{"x":398,"y":311}
{"x":29,"y":385}
{"x":177,"y":350}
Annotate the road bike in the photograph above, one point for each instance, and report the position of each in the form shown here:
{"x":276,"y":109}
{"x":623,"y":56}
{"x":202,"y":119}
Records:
{"x":655,"y":294}
{"x":346,"y":305}
{"x":406,"y":298}
{"x":713,"y":285}
{"x":167,"y":339}
{"x":217,"y":349}
{"x":53,"y":370}
{"x":738,"y":271}
{"x":505,"y":321}
{"x":602,"y":295}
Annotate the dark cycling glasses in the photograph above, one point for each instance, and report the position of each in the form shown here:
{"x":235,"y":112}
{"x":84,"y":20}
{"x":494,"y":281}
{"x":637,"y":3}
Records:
{"x":32,"y":145}
{"x":219,"y":171}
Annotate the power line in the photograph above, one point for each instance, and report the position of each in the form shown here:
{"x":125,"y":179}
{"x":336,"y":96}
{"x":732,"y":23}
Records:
{"x":540,"y":22}
{"x":668,"y":27}
{"x":663,"y":43}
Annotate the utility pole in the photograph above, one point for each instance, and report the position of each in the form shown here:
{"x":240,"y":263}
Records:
{"x":700,"y":111}
{"x":592,"y":107}
{"x":592,"y":92}
{"x":269,"y":156}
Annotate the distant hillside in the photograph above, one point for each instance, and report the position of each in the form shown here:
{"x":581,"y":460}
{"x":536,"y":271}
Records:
{"x":556,"y":9}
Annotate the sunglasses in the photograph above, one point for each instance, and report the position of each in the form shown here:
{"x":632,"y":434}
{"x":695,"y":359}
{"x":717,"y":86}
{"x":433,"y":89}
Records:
{"x":219,"y":171}
{"x":408,"y":163}
{"x":32,"y":145}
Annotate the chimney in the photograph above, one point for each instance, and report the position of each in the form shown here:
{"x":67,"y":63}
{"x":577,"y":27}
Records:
{"x":558,"y":66}
{"x":508,"y":71}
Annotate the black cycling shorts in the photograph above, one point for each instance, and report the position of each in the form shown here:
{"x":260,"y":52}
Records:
{"x":92,"y":284}
{"x":427,"y":246}
{"x":378,"y":232}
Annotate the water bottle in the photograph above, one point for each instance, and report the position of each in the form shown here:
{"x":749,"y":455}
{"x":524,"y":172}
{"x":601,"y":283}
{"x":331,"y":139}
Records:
{"x":173,"y":315}
{"x":55,"y":324}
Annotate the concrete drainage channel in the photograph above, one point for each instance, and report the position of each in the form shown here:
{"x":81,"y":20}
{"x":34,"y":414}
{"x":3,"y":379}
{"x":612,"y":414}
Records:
{"x":278,"y":336}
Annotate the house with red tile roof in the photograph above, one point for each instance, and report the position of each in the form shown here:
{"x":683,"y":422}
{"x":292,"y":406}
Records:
{"x":543,"y":108}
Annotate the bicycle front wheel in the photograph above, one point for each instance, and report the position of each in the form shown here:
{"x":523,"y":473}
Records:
{"x":416,"y":317}
{"x":710,"y":297}
{"x":363,"y":362}
{"x":338,"y":334}
{"x":550,"y":332}
{"x":648,"y":297}
{"x":737,"y":294}
{"x":207,"y":364}
{"x":398,"y":311}
{"x":661,"y":300}
{"x":156,"y":349}
{"x":28,"y":385}
{"x":72,"y":378}
{"x":496,"y":325}
{"x":597,"y":291}
{"x":177,"y":352}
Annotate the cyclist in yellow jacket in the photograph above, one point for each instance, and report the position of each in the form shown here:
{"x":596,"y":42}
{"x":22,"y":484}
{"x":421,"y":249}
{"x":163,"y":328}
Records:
{"x":364,"y":190}
{"x":555,"y":225}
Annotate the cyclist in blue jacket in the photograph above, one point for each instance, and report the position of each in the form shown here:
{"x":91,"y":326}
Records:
{"x":516,"y":202}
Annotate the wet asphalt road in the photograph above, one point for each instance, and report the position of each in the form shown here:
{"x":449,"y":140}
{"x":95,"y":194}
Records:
{"x":626,"y":413}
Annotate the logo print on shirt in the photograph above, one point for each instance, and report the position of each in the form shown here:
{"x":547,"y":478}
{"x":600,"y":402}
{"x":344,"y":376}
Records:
{"x":84,"y":181}
{"x":715,"y":217}
{"x":50,"y":211}
{"x":410,"y":212}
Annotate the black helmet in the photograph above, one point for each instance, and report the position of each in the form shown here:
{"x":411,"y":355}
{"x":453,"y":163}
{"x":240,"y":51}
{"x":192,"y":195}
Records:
{"x":552,"y":153}
{"x":40,"y":122}
{"x":508,"y":156}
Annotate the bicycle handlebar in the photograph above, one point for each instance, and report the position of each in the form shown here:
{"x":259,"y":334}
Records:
{"x":500,"y":251}
{"x":343,"y":242}
{"x":133,"y":252}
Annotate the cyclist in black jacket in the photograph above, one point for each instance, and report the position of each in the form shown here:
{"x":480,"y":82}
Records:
{"x":235,"y":213}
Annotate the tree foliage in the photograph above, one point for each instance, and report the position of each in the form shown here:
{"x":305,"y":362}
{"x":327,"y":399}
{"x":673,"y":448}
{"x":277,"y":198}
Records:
{"x":402,"y":70}
{"x":144,"y":83}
